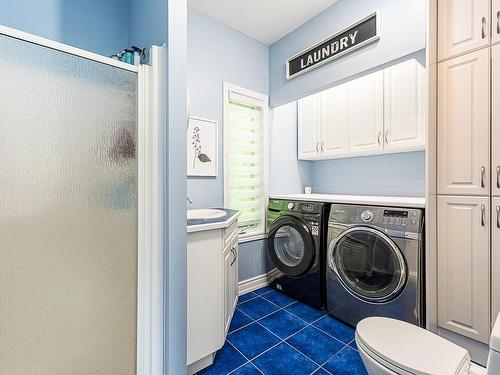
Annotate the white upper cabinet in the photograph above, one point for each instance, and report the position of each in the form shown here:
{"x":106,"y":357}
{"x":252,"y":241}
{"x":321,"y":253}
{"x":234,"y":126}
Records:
{"x":379,"y":112}
{"x":495,"y":118}
{"x":463,"y":266}
{"x":463,"y":25}
{"x":464,"y":125}
{"x":495,"y":21}
{"x":309,"y":115}
{"x":404,"y":107}
{"x":366,"y":114}
{"x":335,"y":121}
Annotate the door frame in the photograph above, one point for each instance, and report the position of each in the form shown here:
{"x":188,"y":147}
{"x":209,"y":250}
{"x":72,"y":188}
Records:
{"x":151,"y":117}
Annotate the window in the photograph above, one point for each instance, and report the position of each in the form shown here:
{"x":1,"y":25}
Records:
{"x":245,"y":158}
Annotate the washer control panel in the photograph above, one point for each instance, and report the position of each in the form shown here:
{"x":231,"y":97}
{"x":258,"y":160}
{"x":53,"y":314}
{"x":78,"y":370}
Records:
{"x":367,"y":216}
{"x":405,"y":221}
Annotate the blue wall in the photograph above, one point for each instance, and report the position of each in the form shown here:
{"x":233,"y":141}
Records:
{"x":402,"y":31}
{"x":147,"y":22}
{"x":94,"y":25}
{"x":287,"y":175}
{"x":216,"y":54}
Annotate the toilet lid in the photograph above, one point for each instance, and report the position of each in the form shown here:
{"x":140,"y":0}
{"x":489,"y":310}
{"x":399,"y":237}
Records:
{"x":410,"y":348}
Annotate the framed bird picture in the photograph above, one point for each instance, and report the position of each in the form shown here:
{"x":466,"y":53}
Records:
{"x":202,"y":147}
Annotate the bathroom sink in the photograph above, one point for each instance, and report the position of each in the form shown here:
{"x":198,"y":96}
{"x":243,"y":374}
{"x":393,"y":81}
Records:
{"x":205,"y":214}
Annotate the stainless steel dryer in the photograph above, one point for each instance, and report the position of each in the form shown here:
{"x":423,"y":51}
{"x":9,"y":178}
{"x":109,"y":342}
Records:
{"x":375,"y":263}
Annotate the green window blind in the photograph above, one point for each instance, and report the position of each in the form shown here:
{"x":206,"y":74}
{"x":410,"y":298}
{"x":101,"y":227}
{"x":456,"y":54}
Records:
{"x":245,"y":173}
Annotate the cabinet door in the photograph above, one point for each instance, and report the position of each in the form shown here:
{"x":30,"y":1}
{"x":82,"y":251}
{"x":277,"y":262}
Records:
{"x":309,"y":113}
{"x":463,"y":266}
{"x":464,"y":124}
{"x":495,"y":21}
{"x":463,"y":25}
{"x":234,"y":278}
{"x":495,"y":258}
{"x":228,"y":258}
{"x":335,"y":121}
{"x":495,"y":118}
{"x":404,"y":106}
{"x":366,"y":117}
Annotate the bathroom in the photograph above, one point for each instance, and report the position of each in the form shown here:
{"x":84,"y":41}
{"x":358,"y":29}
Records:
{"x":272,"y":127}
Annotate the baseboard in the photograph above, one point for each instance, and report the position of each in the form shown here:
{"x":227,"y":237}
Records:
{"x":257,"y":282}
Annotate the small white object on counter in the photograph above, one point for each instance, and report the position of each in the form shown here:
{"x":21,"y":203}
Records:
{"x":410,"y":202}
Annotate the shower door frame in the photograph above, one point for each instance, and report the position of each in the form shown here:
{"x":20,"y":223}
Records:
{"x":151,"y":117}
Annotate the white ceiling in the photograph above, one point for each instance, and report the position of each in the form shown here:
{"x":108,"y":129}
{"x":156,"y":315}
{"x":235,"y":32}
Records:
{"x":264,"y":20}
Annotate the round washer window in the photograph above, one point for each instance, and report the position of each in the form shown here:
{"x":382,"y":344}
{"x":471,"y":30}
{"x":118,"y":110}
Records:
{"x":369,"y":264}
{"x":289,"y":246}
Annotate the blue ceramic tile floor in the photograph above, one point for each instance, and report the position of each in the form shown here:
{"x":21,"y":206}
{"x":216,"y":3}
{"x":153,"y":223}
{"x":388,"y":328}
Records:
{"x":272,"y":334}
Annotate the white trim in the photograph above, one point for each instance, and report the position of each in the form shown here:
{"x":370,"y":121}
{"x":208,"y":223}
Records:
{"x":262,"y":100}
{"x":258,"y":282}
{"x":152,"y":96}
{"x":21,"y":35}
{"x":255,"y":237}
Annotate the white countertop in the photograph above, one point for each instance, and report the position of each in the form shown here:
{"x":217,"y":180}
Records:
{"x":409,"y":202}
{"x":211,"y":224}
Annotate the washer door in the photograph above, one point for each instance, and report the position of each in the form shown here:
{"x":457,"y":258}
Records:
{"x":291,"y":246}
{"x":368,"y":264}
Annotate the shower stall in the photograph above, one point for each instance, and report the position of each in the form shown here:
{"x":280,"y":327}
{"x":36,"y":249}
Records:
{"x":78,"y":248}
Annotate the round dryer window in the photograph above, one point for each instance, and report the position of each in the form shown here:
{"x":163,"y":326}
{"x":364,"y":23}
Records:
{"x":291,"y":246}
{"x":368,"y":264}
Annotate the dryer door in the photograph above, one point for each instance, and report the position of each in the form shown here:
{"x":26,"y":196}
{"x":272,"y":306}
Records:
{"x":291,"y":246}
{"x":368,"y":264}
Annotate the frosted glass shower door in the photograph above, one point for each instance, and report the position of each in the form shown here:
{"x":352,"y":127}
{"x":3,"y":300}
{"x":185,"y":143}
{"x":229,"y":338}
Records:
{"x":68,"y":214}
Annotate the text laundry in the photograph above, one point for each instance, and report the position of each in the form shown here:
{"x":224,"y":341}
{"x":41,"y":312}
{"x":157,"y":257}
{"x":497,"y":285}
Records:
{"x":331,"y":49}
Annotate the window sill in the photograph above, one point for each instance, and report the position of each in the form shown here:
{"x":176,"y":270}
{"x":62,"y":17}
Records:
{"x":252,"y":237}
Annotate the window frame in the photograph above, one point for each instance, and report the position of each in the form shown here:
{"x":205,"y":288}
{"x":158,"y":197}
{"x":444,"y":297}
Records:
{"x":263,"y":100}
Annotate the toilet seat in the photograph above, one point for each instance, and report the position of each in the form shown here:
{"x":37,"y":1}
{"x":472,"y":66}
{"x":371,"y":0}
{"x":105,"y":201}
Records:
{"x":409,"y":350}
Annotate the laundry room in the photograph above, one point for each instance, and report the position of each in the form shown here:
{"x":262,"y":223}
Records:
{"x":272,"y":187}
{"x":326,"y":147}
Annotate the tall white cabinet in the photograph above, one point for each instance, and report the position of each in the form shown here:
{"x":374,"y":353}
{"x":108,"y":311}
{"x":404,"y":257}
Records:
{"x":468,"y":167}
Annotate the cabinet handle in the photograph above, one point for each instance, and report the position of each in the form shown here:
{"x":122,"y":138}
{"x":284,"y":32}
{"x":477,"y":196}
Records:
{"x":498,"y":177}
{"x":483,"y":220}
{"x":387,"y":136}
{"x":483,"y":28}
{"x":498,"y":216}
{"x":378,"y":138}
{"x":498,"y":22}
{"x":483,"y":172}
{"x":322,"y":147}
{"x":235,"y":256}
{"x":317,"y":147}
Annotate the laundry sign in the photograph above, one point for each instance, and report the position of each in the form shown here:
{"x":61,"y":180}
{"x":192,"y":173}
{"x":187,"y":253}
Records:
{"x":357,"y":35}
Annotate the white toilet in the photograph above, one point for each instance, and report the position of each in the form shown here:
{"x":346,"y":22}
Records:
{"x":390,"y":347}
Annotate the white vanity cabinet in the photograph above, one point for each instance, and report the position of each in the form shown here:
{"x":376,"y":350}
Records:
{"x":230,"y":275}
{"x":495,"y":257}
{"x":212,"y":291}
{"x":381,"y":112}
